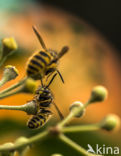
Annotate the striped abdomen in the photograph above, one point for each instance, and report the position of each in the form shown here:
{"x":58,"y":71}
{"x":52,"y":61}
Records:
{"x":40,"y":63}
{"x":40,"y":119}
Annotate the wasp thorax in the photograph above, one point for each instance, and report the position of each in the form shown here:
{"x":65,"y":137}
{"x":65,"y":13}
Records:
{"x":53,"y":53}
{"x":43,"y":90}
{"x":44,"y":93}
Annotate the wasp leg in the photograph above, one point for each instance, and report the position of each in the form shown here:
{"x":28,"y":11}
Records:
{"x":42,"y":83}
{"x":48,"y":76}
{"x":60,"y":76}
{"x":59,"y":112}
{"x":51,"y":80}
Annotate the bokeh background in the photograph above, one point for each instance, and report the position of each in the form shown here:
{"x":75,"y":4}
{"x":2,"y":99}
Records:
{"x":93,"y":35}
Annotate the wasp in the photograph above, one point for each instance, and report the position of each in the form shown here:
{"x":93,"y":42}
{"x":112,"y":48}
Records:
{"x":43,"y":99}
{"x":44,"y":62}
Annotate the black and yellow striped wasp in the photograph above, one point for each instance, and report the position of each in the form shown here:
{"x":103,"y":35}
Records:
{"x":43,"y":99}
{"x":44,"y":62}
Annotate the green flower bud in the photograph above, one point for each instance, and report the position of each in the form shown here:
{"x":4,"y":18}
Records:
{"x":111,"y":122}
{"x":9,"y":44}
{"x":57,"y":154}
{"x":30,"y":86}
{"x":77,"y":107}
{"x":10,"y":72}
{"x":99,"y":94}
{"x":31,"y":107}
{"x":20,"y":141}
{"x":9,"y":144}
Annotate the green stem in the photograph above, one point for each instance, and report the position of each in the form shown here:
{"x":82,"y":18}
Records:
{"x":5,"y":55}
{"x":3,"y":81}
{"x":1,"y":54}
{"x":13,"y":86}
{"x":30,"y":141}
{"x":74,"y":145}
{"x":29,"y":108}
{"x":6,"y":107}
{"x":2,"y":96}
{"x":82,"y":128}
{"x":86,"y":104}
{"x":2,"y":61}
{"x":24,"y":152}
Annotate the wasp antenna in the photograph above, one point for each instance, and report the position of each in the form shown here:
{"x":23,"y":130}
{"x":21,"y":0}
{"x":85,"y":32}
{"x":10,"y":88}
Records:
{"x":59,"y":112}
{"x":39,"y":37}
{"x":60,"y":76}
{"x":51,"y":80}
{"x":63,"y":51}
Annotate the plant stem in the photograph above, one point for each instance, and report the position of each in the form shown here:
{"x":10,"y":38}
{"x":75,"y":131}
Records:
{"x":13,"y":86}
{"x":2,"y":61}
{"x":3,"y":81}
{"x":30,"y":141}
{"x":24,"y":152}
{"x":20,"y":108}
{"x":2,"y":96}
{"x":29,"y":108}
{"x":82,"y":128}
{"x":74,"y":145}
{"x":86,"y":104}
